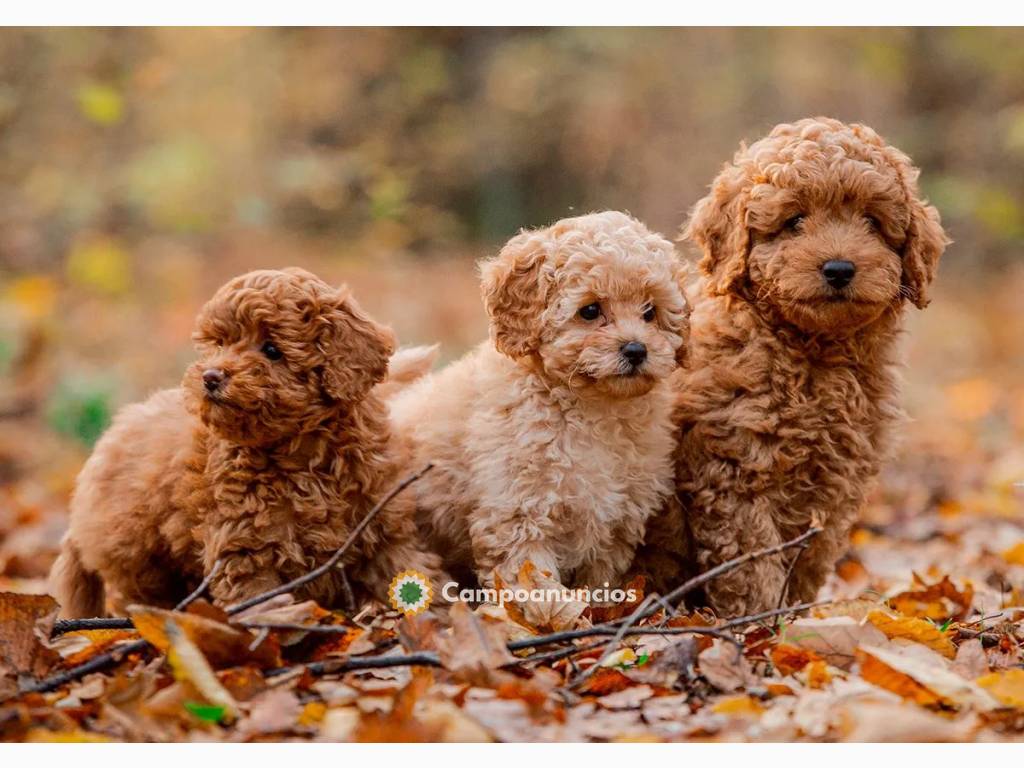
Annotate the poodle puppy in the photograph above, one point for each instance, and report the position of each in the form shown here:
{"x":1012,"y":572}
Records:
{"x":814,"y":239}
{"x":553,"y":442}
{"x":272,"y":449}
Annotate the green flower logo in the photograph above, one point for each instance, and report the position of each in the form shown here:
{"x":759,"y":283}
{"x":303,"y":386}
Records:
{"x":410,"y":592}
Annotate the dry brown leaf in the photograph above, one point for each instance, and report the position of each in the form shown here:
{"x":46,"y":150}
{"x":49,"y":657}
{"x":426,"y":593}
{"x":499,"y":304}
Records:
{"x":917,"y":630}
{"x":476,"y":647}
{"x":790,"y":658}
{"x":920,"y":682}
{"x":834,"y":639}
{"x":879,"y":721}
{"x":191,"y":668}
{"x":25,"y":621}
{"x":546,"y":615}
{"x":971,"y":661}
{"x":738,"y":706}
{"x":222,"y":645}
{"x":725,"y":667}
{"x":938,"y":602}
{"x":274,"y":711}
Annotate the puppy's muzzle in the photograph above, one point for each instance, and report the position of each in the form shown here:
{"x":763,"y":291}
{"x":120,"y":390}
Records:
{"x":634,"y":353}
{"x":213,"y":378}
{"x":838,"y":273}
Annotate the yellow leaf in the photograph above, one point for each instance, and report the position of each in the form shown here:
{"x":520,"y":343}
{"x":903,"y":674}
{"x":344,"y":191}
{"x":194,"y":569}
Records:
{"x":818,"y":675}
{"x":312,"y":714}
{"x":190,"y":666}
{"x":918,"y":630}
{"x":738,"y":705}
{"x":919,"y":681}
{"x":1015,"y":554}
{"x":101,"y":103}
{"x":1007,"y":686}
{"x":623,"y":656}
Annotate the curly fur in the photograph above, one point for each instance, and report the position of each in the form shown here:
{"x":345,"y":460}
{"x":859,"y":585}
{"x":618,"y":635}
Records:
{"x":268,"y":473}
{"x":789,"y":400}
{"x":548,"y":447}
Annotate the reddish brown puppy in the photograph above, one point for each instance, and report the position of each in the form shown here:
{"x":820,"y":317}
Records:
{"x":814,"y":241}
{"x":272,"y":449}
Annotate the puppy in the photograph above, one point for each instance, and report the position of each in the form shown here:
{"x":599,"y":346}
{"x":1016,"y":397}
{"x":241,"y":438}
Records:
{"x":814,"y":241}
{"x":553,"y":442}
{"x":272,"y":449}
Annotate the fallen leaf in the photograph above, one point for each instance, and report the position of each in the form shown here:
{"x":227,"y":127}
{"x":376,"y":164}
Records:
{"x":878,"y":721}
{"x":1015,"y":554}
{"x":834,"y":639}
{"x":917,"y":630}
{"x":725,"y":667}
{"x":744,"y":706}
{"x":971,"y":661}
{"x":476,"y":647}
{"x":25,"y":620}
{"x":1007,"y":686}
{"x":917,"y":681}
{"x":192,"y":668}
{"x":222,"y":645}
{"x":275,"y":711}
{"x":938,"y":602}
{"x":790,"y":658}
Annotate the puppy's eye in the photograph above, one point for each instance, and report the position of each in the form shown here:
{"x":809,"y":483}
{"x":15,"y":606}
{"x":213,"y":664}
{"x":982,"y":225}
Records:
{"x":271,"y":352}
{"x":649,"y":314}
{"x":590,"y":311}
{"x":793,"y":223}
{"x":873,"y":222}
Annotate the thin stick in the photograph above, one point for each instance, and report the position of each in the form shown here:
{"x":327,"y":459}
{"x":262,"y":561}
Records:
{"x":354,"y":664}
{"x":784,"y":594}
{"x":95,"y":664}
{"x":729,"y":565}
{"x":744,"y":620}
{"x":63,"y":626}
{"x":560,"y":654}
{"x":203,"y":586}
{"x":620,"y":633}
{"x":322,"y":629}
{"x":336,"y":557}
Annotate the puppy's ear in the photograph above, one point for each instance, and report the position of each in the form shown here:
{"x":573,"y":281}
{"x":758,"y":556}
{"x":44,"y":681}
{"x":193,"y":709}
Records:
{"x":718,"y":226}
{"x":355,"y":349}
{"x":926,"y":240}
{"x":514,"y":295}
{"x":683,"y":282}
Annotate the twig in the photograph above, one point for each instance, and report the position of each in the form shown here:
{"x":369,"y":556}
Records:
{"x":354,"y":664}
{"x":336,"y":557}
{"x":102,"y":661}
{"x":63,"y":626}
{"x":600,"y":630}
{"x":558,"y":655}
{"x":203,"y":586}
{"x":323,"y":629}
{"x":784,"y":594}
{"x":620,"y":633}
{"x":729,"y":565}
{"x":744,"y":620}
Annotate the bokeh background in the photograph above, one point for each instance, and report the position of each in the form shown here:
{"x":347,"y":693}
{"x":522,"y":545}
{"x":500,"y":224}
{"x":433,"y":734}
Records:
{"x":139,"y":169}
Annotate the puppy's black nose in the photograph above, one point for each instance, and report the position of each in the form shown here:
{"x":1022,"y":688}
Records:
{"x":635,"y":352}
{"x":213,"y":378}
{"x":838,"y":273}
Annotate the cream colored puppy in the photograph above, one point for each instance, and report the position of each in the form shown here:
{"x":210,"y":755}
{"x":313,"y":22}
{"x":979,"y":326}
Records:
{"x":553,"y":441}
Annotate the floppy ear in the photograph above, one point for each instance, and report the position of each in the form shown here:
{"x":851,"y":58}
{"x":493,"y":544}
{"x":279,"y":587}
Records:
{"x":514,"y":295}
{"x":718,"y":226}
{"x":926,"y":240}
{"x":682,"y":280}
{"x":355,"y":349}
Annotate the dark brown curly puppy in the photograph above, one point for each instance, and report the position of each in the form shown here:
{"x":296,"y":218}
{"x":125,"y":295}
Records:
{"x":266,"y":457}
{"x":814,"y":239}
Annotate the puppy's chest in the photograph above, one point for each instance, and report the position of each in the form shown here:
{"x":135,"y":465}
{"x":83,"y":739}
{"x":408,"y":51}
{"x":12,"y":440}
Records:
{"x":273,"y":493}
{"x":590,"y":467}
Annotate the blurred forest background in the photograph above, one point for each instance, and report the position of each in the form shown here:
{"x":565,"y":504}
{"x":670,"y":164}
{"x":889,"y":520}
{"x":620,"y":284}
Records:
{"x":139,"y":169}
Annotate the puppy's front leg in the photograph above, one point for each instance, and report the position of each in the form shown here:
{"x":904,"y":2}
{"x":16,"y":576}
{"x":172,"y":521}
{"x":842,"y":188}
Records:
{"x":249,"y":563}
{"x":503,"y":546}
{"x":728,"y":526}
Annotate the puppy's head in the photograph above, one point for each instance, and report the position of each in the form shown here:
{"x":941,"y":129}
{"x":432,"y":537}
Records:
{"x":823,"y":222}
{"x":280,"y":352}
{"x":596,"y":300}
